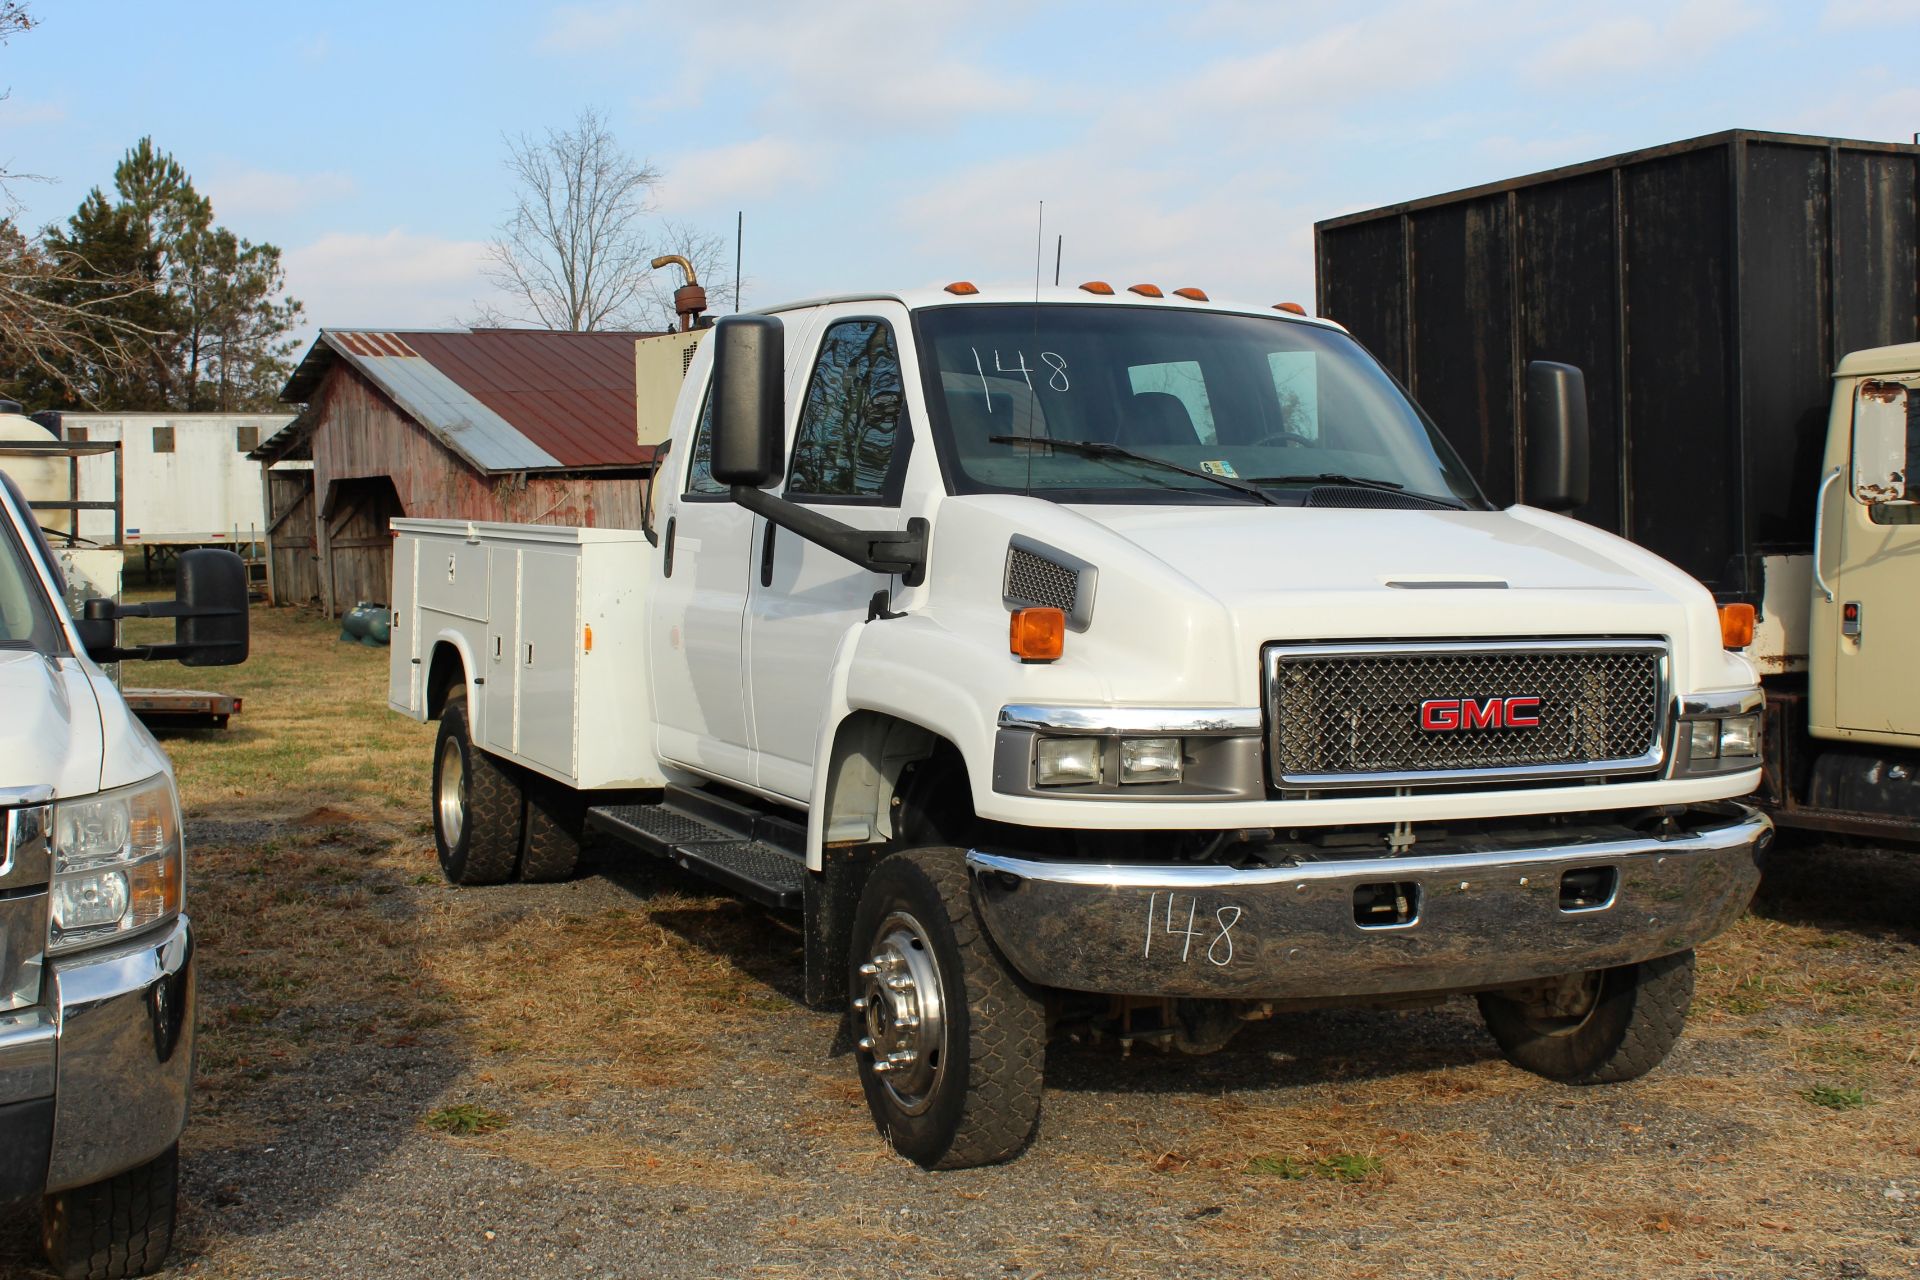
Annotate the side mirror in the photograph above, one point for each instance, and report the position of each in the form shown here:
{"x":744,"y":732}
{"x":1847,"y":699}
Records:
{"x":1880,"y":427}
{"x":653,"y":485}
{"x":749,"y":410}
{"x":209,"y":606}
{"x":1558,"y":456}
{"x":212,"y":591}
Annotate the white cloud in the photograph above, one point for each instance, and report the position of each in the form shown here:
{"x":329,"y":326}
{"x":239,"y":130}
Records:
{"x":1869,"y":13}
{"x":722,"y":176}
{"x":1625,"y":43}
{"x":16,"y":113}
{"x":588,"y":28}
{"x":396,"y":278}
{"x":242,"y":193}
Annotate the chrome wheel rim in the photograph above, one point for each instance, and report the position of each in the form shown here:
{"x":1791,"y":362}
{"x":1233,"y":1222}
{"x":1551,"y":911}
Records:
{"x":901,"y":1012}
{"x":451,"y":803}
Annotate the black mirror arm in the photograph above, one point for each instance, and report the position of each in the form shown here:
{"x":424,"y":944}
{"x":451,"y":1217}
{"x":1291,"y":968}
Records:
{"x":885,"y":551}
{"x":102,"y":610}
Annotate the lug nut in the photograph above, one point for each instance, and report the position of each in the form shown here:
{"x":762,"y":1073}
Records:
{"x":882,"y":1065}
{"x":866,"y":1042}
{"x":869,"y":969}
{"x":860,"y":1002}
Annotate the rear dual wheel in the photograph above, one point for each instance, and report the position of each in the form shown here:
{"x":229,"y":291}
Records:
{"x":489,"y":827}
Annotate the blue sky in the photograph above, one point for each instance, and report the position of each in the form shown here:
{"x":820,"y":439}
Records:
{"x":892,"y":145}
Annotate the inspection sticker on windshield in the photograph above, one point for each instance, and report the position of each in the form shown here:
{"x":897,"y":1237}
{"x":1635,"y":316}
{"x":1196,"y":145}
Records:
{"x":1219,"y":467}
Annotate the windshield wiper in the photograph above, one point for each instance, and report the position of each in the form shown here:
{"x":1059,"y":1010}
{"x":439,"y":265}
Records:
{"x":1101,"y":449}
{"x":1359,"y":482}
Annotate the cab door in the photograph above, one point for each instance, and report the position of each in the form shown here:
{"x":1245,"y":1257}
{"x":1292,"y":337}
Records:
{"x":1876,"y":582}
{"x":849,"y":460}
{"x":703,"y":567}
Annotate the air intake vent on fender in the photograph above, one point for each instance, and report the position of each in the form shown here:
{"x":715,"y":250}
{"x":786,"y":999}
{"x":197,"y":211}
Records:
{"x":1041,"y":575}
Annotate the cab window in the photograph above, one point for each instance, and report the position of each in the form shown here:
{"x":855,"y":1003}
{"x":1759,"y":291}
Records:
{"x":851,"y":444}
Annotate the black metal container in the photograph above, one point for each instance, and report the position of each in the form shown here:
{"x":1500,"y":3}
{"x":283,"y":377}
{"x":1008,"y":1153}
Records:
{"x":1706,"y":287}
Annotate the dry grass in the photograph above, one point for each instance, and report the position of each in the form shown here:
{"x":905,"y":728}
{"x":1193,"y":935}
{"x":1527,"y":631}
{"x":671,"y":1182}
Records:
{"x":323,"y":923}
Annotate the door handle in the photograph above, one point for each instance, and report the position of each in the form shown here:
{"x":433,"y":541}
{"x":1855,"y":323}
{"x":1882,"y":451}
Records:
{"x":766,"y":554}
{"x":1820,"y":519}
{"x":666,"y":567}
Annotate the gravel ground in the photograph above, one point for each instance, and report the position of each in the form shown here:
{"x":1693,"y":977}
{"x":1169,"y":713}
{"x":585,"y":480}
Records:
{"x":759,"y":1159}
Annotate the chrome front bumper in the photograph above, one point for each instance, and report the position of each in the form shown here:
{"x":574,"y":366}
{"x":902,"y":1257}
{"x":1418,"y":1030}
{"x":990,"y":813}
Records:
{"x":1479,"y":919}
{"x":110,"y":1047}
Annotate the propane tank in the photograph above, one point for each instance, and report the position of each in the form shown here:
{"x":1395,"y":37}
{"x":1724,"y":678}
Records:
{"x":367,"y":623}
{"x":41,"y":479}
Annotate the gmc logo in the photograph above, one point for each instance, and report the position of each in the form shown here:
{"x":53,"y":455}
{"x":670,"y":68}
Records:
{"x":1440,"y":715}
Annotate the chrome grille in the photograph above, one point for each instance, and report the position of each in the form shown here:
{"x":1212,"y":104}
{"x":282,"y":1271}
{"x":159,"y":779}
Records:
{"x":1350,"y":715}
{"x":1039,"y":581}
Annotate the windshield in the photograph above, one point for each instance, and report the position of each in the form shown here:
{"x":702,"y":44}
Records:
{"x":1293,"y":407}
{"x":26,"y":621}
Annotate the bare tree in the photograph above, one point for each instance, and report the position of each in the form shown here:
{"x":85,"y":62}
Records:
{"x":574,"y":252}
{"x":58,"y":313}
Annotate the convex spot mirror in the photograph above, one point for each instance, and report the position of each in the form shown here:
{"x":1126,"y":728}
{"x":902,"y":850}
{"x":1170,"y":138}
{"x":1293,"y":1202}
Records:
{"x":1558,"y":455}
{"x":1881,"y":427}
{"x":749,"y":381}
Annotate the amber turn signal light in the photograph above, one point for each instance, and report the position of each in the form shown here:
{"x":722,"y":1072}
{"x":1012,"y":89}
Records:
{"x":1037,"y":635}
{"x":1736,"y":625}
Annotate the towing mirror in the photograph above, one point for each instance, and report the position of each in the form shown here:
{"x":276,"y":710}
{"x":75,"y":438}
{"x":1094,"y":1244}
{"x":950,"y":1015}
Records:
{"x":749,"y":372}
{"x":1880,"y":426}
{"x":209,"y":609}
{"x":1558,"y":455}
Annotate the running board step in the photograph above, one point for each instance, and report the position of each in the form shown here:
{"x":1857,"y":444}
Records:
{"x":755,"y":868}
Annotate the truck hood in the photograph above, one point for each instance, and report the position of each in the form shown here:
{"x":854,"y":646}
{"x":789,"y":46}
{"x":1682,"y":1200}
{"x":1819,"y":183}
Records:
{"x":51,"y":734}
{"x":1237,"y":553}
{"x":1186,"y":596}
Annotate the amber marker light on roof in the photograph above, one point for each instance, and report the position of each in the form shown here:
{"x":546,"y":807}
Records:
{"x":1291,"y":308}
{"x":1097,"y":286}
{"x":1736,"y":625}
{"x":1191,"y":294}
{"x":1145,"y":290}
{"x":962,"y":287}
{"x":1037,"y":635}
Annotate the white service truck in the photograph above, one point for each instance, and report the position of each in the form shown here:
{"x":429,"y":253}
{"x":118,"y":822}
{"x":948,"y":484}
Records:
{"x":1114,"y":657}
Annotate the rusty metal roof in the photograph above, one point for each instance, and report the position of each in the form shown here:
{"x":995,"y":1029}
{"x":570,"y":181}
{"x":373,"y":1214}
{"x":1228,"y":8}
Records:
{"x":503,"y":399}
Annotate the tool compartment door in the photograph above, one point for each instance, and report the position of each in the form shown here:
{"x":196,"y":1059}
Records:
{"x":547,"y":656}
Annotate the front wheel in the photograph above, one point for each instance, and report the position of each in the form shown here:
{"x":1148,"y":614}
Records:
{"x":1596,"y":1028}
{"x":121,"y":1226}
{"x":952,"y":1042}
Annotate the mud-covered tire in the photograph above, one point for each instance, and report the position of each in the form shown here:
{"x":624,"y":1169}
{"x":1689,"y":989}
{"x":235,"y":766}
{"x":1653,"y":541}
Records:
{"x":550,"y":849}
{"x":478,"y":808}
{"x":1634,"y":1022}
{"x":985,"y":1104}
{"x":122,"y":1226}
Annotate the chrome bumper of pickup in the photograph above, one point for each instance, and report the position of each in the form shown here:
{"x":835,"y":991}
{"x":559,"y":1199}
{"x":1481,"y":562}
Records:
{"x":112,"y":1046}
{"x":1481,"y":919}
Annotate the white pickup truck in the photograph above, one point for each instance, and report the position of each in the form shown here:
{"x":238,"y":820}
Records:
{"x":96,"y":953}
{"x":1106,"y":656}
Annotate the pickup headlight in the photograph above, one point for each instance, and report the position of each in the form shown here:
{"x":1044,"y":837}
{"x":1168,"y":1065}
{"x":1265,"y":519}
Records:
{"x":116,"y":863}
{"x":1719,"y":734}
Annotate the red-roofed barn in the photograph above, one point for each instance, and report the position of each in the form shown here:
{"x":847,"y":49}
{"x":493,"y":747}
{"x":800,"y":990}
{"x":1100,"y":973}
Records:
{"x":524,"y":425}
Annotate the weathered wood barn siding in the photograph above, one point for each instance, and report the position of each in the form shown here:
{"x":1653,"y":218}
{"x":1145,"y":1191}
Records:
{"x":372,"y":462}
{"x":293,"y":559}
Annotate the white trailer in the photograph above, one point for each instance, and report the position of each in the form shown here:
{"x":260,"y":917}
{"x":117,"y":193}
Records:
{"x":189,"y":481}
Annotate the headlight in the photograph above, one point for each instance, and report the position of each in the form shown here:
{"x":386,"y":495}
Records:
{"x":1066,"y":762}
{"x":116,"y":863}
{"x":1739,"y":736}
{"x":1149,"y":759}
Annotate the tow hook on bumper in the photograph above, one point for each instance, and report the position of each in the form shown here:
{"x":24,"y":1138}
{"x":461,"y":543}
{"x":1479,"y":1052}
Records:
{"x":1373,"y":926}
